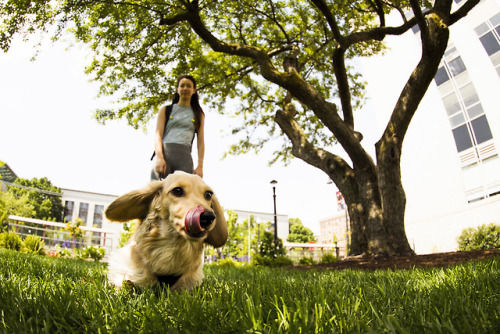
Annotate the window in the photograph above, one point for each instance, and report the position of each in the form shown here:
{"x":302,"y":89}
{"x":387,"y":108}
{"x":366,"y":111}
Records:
{"x":469,"y":124}
{"x":465,"y":112}
{"x":452,"y":104}
{"x":441,"y":76}
{"x":97,"y":222}
{"x":456,"y":66}
{"x":482,"y":130}
{"x":489,"y":35}
{"x":490,"y":43}
{"x":415,"y":28}
{"x":98,"y":214}
{"x":83,"y":212}
{"x":68,"y":211}
{"x":469,"y":95}
{"x":462,"y":138}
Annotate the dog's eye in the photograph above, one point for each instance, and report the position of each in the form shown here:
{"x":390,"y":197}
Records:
{"x":178,"y":192}
{"x":208,"y":195}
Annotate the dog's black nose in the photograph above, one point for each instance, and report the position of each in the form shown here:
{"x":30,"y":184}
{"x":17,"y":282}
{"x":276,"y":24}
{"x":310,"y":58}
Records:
{"x":206,"y":218}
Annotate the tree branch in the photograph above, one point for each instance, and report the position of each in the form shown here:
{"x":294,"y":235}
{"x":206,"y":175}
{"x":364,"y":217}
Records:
{"x":343,"y":86}
{"x":419,"y":16}
{"x":462,"y":11}
{"x":336,"y":167}
{"x":173,"y":19}
{"x":323,"y":8}
{"x":433,"y":48}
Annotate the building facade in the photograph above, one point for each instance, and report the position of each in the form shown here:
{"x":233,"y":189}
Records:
{"x":90,"y":207}
{"x":263,"y":217}
{"x":335,"y":230}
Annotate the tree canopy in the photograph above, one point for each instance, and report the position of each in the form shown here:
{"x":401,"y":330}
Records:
{"x":141,"y":47}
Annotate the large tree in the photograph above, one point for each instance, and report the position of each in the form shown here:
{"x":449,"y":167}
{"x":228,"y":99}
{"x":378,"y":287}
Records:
{"x":289,"y":63}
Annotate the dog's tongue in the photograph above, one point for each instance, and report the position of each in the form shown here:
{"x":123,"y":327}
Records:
{"x":192,"y":222}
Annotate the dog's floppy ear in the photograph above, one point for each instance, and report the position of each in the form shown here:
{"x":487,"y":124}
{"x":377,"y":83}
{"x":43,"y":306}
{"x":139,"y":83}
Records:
{"x":217,"y":237}
{"x":133,"y":205}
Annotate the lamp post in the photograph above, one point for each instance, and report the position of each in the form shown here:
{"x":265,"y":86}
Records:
{"x":274,"y":182}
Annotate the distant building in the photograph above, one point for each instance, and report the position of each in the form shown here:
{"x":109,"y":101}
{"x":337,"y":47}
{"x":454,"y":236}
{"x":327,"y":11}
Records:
{"x":90,"y":208}
{"x":6,"y":175}
{"x":263,"y":217}
{"x":333,"y":230}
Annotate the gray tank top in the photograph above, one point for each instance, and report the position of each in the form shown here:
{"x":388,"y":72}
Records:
{"x":180,"y":126}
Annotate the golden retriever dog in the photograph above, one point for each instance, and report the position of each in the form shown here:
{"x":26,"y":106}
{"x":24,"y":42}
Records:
{"x":175,"y":217}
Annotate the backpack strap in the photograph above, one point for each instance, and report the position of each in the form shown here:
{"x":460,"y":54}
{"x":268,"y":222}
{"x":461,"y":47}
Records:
{"x":168,"y":111}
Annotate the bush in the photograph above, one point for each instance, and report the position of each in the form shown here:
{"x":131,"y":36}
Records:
{"x":62,"y":252}
{"x":481,"y":238}
{"x":307,"y":261}
{"x":90,"y":252}
{"x":329,"y":258}
{"x":34,"y":244}
{"x":267,"y":261}
{"x":229,"y":262}
{"x":281,"y":261}
{"x":270,"y":247}
{"x":10,"y":240}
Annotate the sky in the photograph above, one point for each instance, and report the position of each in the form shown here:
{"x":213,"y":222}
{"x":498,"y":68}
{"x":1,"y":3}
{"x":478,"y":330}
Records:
{"x":47,"y":130}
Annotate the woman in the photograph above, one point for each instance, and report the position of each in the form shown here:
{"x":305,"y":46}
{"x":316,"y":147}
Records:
{"x":173,"y":141}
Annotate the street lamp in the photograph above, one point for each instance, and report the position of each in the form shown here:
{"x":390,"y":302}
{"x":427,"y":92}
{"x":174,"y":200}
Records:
{"x":274,"y":182}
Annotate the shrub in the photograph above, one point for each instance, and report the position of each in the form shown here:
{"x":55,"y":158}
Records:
{"x":34,"y":244}
{"x":270,"y":247}
{"x":95,"y":253}
{"x":307,"y":261}
{"x":480,"y":238}
{"x":267,"y":261}
{"x":62,"y":252}
{"x":89,"y":252}
{"x":10,"y":240}
{"x":329,"y":258}
{"x":228,"y":263}
{"x":281,"y":261}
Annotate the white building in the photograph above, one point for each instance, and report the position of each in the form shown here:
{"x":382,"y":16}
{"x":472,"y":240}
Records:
{"x":263,"y":217}
{"x":90,"y":208}
{"x":450,"y":163}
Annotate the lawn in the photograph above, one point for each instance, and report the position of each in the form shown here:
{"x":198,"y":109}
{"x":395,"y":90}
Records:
{"x":43,"y":294}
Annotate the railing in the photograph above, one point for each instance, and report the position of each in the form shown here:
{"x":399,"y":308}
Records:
{"x":298,"y":250}
{"x":53,"y":233}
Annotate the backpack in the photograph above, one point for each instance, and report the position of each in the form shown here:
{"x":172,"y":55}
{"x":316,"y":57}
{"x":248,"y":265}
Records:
{"x":168,"y":111}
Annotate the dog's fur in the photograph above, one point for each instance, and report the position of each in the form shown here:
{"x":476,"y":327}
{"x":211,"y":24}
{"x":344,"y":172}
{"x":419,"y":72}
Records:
{"x":160,"y":245}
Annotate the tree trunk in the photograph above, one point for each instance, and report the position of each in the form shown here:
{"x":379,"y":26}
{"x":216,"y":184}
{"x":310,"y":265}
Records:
{"x":377,"y":225}
{"x":374,"y":196}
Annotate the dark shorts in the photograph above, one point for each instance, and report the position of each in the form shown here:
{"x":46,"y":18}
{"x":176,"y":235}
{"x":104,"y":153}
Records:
{"x":177,"y":157}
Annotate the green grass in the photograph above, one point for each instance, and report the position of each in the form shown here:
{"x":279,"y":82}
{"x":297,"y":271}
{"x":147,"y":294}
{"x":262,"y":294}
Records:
{"x":43,"y":294}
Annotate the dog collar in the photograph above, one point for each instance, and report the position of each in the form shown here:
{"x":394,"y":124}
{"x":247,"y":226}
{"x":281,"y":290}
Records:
{"x":169,"y":280}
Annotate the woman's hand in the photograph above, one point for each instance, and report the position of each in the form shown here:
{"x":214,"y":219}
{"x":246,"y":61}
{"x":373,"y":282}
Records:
{"x":198,"y":171}
{"x":161,"y":167}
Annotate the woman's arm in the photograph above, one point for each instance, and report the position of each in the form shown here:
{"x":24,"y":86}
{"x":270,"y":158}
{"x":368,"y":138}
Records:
{"x":161,"y":166}
{"x":200,"y":141}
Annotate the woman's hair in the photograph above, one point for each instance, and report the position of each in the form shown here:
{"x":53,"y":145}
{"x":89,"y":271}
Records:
{"x":195,"y":100}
